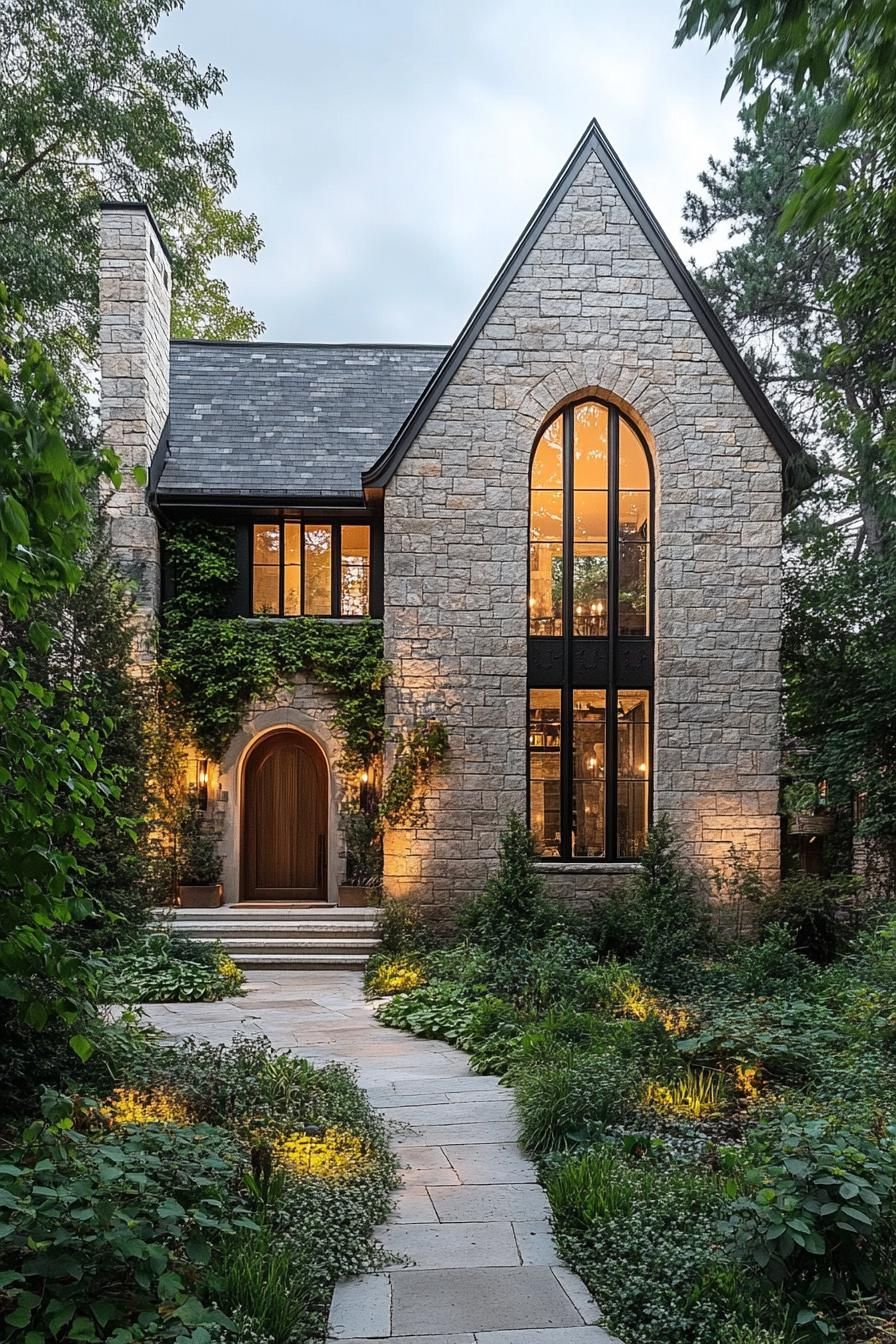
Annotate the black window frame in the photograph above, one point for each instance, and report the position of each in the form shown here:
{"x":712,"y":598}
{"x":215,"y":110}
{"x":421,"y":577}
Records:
{"x":335,"y":525}
{"x":609,"y":663}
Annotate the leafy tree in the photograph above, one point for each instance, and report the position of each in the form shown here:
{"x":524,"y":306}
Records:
{"x":794,"y":46}
{"x":814,"y":310}
{"x":88,"y":108}
{"x":51,"y":790}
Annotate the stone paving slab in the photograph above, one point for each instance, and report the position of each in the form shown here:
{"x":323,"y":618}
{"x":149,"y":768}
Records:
{"x":526,"y":1297}
{"x":451,"y":1245}
{"x":489,"y":1203}
{"x":475,"y":1259}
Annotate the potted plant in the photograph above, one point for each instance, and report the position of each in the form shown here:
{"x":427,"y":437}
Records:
{"x":363,"y":858}
{"x":806,"y":807}
{"x":198,"y":864}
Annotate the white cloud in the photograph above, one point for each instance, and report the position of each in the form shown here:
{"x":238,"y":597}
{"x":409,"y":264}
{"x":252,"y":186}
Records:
{"x":394,"y":149}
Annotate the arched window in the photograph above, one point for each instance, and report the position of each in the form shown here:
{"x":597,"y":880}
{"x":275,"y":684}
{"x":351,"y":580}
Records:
{"x":590,"y":635}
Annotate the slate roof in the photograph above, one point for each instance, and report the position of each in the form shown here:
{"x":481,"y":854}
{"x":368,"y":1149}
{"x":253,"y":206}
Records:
{"x":291,"y":421}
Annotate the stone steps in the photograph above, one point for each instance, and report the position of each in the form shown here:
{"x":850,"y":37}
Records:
{"x":286,"y":938}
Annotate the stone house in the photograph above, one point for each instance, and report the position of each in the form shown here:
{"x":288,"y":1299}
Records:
{"x":568,"y":523}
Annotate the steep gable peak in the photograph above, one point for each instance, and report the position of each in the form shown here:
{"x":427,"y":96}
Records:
{"x":594,"y":143}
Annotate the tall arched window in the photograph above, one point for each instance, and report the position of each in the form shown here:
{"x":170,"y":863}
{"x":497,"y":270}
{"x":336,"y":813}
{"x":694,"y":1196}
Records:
{"x":590,"y":635}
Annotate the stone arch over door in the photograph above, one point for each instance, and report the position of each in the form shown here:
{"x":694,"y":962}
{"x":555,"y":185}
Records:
{"x":284,"y":819}
{"x":260,"y":725}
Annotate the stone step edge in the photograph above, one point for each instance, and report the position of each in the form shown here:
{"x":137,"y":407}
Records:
{"x":323,"y":945}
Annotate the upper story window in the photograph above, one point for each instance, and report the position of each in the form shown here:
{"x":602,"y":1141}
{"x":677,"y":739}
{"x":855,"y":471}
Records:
{"x":590,"y":626}
{"x":310,"y":569}
{"x":590,"y":518}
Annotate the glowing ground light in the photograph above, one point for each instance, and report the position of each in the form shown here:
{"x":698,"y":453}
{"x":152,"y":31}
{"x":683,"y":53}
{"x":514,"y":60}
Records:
{"x":127,"y":1106}
{"x":641,"y":1004}
{"x":335,"y":1153}
{"x":696,"y":1094}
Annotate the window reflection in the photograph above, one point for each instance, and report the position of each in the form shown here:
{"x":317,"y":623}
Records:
{"x":266,"y":569}
{"x":544,"y":771}
{"x":632,"y":772}
{"x":589,"y":736}
{"x":318,"y":575}
{"x":354,"y":595}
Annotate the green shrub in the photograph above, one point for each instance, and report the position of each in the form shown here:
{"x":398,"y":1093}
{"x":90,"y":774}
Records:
{"x":571,"y":1100}
{"x":771,"y":964}
{"x":513,"y":912}
{"x":165,"y":967}
{"x":490,"y":1034}
{"x":605,"y":987}
{"x":259,"y":1278}
{"x":817,"y":1203}
{"x":402,"y":928}
{"x":819,"y":912}
{"x":874,"y":955}
{"x":442,"y":1009}
{"x":597,"y":1185}
{"x":104,"y":1228}
{"x":786,"y":1038}
{"x":658,"y":919}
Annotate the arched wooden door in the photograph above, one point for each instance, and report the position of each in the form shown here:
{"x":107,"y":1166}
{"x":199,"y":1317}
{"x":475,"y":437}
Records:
{"x":285,"y":820}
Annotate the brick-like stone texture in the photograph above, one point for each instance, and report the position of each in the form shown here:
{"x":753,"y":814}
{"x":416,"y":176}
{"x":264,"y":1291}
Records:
{"x":135,"y":322}
{"x":592,"y":309}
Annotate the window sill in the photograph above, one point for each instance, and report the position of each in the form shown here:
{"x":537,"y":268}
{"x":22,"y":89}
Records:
{"x":331,"y":620}
{"x":617,"y":867}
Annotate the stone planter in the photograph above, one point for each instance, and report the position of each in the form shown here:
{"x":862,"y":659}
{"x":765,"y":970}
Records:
{"x":206,"y":897}
{"x":354,"y":897}
{"x":808,"y":823}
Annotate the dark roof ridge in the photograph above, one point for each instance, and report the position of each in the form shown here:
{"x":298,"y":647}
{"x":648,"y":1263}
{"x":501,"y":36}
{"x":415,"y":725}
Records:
{"x":592,"y":141}
{"x":311,"y":345}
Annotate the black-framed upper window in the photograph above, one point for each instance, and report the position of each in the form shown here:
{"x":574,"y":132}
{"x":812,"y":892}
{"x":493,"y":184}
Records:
{"x":310,"y":568}
{"x":590,"y":635}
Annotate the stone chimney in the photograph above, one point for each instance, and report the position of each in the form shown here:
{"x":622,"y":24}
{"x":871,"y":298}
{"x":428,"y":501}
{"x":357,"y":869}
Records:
{"x":135,"y":324}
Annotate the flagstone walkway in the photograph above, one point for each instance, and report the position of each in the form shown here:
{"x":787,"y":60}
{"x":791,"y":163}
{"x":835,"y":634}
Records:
{"x":470,"y":1224}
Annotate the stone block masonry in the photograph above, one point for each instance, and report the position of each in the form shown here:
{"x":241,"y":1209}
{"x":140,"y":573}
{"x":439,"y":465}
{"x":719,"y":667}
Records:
{"x":135,"y":321}
{"x":591,"y":310}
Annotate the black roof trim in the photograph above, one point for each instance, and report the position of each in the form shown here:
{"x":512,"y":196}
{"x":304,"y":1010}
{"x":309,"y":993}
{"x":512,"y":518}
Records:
{"x":141,"y":205}
{"x":223,"y":500}
{"x":312,"y":345}
{"x":593,"y":141}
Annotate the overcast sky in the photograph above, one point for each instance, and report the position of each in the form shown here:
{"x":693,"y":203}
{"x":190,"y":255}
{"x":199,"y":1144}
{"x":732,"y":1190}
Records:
{"x":394,"y":149}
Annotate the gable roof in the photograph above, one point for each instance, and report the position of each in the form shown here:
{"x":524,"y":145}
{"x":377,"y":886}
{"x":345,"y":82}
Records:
{"x":258,"y":420}
{"x":594,"y":142}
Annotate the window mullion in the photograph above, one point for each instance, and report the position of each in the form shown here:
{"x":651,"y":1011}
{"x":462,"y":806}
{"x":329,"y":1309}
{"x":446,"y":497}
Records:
{"x":336,"y":569}
{"x":281,"y":557}
{"x":566,"y":743}
{"x":612,"y":748}
{"x":302,"y":566}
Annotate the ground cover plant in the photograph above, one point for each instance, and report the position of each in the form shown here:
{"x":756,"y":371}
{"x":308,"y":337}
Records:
{"x":712,"y":1115}
{"x":159,"y":966}
{"x":189,"y":1192}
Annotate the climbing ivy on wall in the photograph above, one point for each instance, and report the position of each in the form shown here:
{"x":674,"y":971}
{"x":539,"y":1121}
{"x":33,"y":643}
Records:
{"x":219,"y":665}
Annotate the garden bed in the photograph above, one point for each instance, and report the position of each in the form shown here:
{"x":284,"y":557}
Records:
{"x":713,"y":1122}
{"x":201,"y":1194}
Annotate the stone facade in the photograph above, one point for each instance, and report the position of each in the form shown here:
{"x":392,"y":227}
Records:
{"x":591,"y":310}
{"x":135,"y":322}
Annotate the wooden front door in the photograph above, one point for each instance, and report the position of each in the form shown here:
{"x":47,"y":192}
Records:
{"x":285,"y":820}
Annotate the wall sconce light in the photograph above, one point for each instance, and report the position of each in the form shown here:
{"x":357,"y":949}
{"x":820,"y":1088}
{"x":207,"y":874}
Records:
{"x":365,"y":776}
{"x":202,"y":784}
